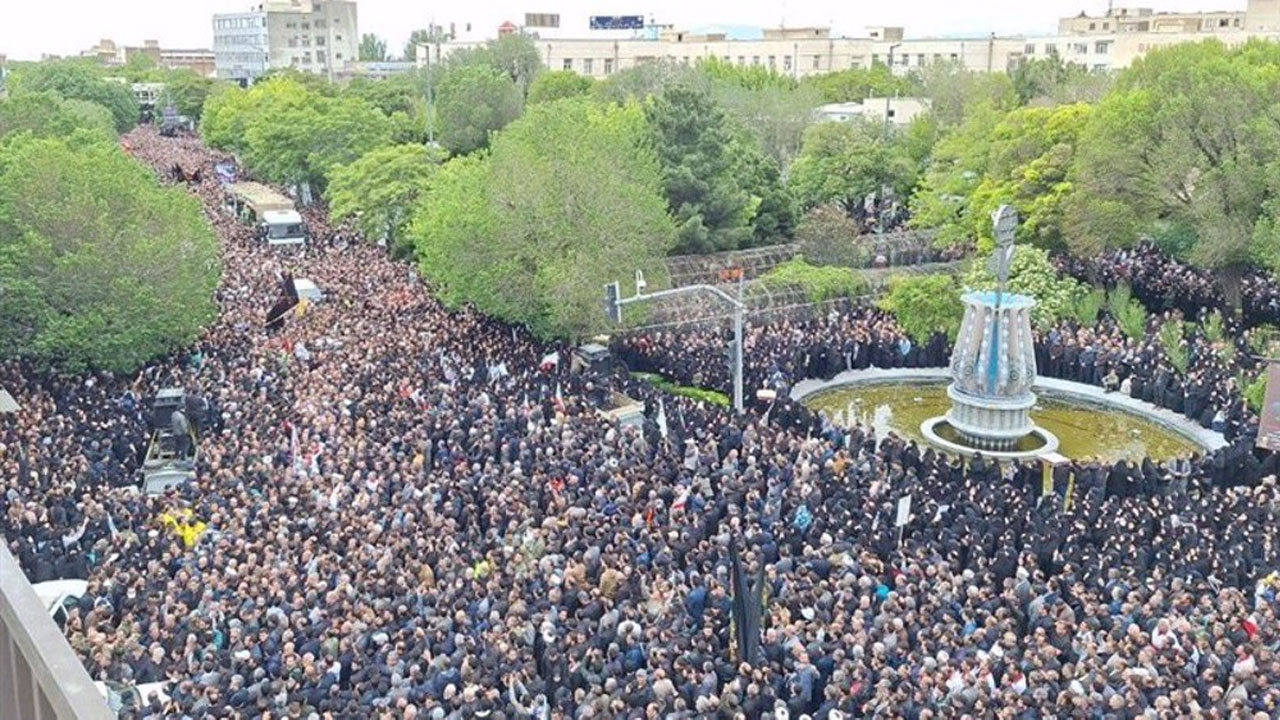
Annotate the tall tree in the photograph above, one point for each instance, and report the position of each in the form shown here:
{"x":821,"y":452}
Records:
{"x":844,"y":162}
{"x":372,"y":48}
{"x":1189,"y":137}
{"x":566,"y":200}
{"x":47,"y":114}
{"x":188,"y":90}
{"x":381,"y":189}
{"x":857,"y":84}
{"x":557,"y":85}
{"x":473,"y":101}
{"x":79,"y":80}
{"x":101,"y":266}
{"x":693,"y":141}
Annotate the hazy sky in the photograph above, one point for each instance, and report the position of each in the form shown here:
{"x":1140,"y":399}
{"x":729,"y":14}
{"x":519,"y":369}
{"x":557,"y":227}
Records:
{"x":31,"y":27}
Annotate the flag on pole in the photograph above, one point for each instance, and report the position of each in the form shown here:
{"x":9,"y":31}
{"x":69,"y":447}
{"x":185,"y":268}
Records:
{"x":662,"y":418}
{"x":559,"y":398}
{"x":295,"y":451}
{"x":681,"y":501}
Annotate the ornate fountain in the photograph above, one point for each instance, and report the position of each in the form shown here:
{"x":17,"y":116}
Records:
{"x":993,"y":368}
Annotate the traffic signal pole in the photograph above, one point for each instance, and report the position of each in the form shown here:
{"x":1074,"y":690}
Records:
{"x":614,"y":303}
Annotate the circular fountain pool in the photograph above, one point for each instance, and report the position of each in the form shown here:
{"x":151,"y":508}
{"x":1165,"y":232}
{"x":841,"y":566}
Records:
{"x":1083,"y":430}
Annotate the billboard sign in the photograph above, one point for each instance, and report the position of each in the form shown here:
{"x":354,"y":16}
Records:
{"x":542,"y":20}
{"x":617,"y":22}
{"x":1269,"y":428}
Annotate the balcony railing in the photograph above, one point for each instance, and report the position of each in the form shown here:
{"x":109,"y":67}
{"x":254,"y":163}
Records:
{"x":40,"y":677}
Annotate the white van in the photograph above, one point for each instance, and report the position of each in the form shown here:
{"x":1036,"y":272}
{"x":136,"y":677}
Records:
{"x":57,"y":595}
{"x":284,"y":227}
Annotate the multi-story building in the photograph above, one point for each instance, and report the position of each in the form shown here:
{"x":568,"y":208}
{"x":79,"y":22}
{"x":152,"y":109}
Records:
{"x":1101,"y":43}
{"x":318,"y":36}
{"x":110,"y":54}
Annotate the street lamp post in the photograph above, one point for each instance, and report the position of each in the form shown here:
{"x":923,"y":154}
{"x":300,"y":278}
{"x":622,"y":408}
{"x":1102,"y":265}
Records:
{"x":614,"y":303}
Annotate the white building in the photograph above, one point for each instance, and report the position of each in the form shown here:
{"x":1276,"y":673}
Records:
{"x":318,"y":36}
{"x":1110,"y":42}
{"x":897,"y":111}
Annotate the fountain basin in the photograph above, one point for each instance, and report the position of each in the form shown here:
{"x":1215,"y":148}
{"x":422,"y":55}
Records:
{"x":1087,"y":422}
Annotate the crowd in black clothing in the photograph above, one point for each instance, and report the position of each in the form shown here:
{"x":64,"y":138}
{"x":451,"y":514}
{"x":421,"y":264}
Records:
{"x":405,"y":511}
{"x":1163,"y":283}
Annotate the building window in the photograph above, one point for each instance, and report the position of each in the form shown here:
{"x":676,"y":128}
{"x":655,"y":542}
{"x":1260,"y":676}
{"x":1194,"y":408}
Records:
{"x":1100,"y":67}
{"x":1030,"y":49}
{"x":786,"y":63}
{"x":586,"y":66}
{"x":816,"y":59}
{"x":773,"y":62}
{"x":755,"y":59}
{"x":875,"y":59}
{"x":1093,"y":26}
{"x":319,"y":41}
{"x":1101,"y":47}
{"x":1080,"y":48}
{"x":568,"y":63}
{"x":1050,"y":49}
{"x":320,"y":56}
{"x":608,"y":66}
{"x":742,"y":59}
{"x":920,"y":60}
{"x":954,"y":57}
{"x":306,"y":26}
{"x":1106,"y":26}
{"x":337,"y":56}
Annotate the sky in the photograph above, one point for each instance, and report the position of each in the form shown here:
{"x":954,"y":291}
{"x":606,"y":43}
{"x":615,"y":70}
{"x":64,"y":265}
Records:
{"x":29,"y":28}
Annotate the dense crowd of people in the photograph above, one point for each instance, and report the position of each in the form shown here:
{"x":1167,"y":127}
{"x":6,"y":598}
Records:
{"x":1165,"y":283}
{"x":403,"y":511}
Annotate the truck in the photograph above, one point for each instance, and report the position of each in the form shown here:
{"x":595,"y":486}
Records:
{"x":272,"y":213}
{"x":172,"y":451}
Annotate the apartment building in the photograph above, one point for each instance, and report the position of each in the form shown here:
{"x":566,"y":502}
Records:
{"x":318,"y":36}
{"x":111,"y":54}
{"x":1107,"y":42}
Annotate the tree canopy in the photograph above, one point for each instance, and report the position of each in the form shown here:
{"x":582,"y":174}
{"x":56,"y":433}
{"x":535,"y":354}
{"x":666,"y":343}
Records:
{"x":289,"y":134}
{"x":80,"y":80}
{"x":557,"y":85}
{"x":566,"y":200}
{"x":381,"y":188}
{"x":1191,"y":136}
{"x":373,"y":48}
{"x":844,"y":162}
{"x":101,"y":266}
{"x":473,"y":101}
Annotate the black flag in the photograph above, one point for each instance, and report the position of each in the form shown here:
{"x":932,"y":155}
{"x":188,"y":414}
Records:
{"x":746,"y":609}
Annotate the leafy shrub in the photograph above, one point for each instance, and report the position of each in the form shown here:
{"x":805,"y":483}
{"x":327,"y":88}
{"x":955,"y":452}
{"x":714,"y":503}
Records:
{"x":817,"y":282}
{"x":1128,"y":313}
{"x":1171,"y":336}
{"x":1032,"y":273}
{"x":1088,"y":305}
{"x":925,"y":304}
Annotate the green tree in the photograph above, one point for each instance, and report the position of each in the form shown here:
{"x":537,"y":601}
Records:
{"x":78,"y":80}
{"x":381,"y":189}
{"x":1051,"y":81}
{"x":1188,"y":136}
{"x":1033,"y":273}
{"x":473,"y":101}
{"x":1023,"y":158}
{"x":694,"y":143}
{"x":842,"y":163}
{"x":567,"y":199}
{"x":747,"y":77}
{"x":925,"y":304}
{"x":775,"y":114}
{"x":858,"y":84}
{"x":372,"y":48}
{"x":955,"y":93}
{"x":188,"y":90}
{"x":101,"y":266}
{"x":557,"y":85}
{"x":46,"y":114}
